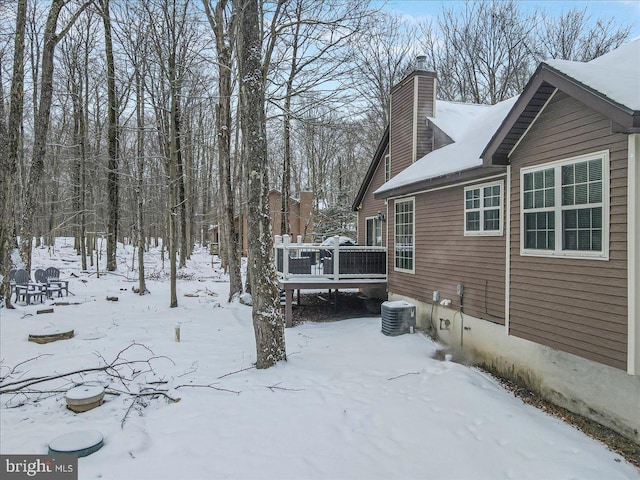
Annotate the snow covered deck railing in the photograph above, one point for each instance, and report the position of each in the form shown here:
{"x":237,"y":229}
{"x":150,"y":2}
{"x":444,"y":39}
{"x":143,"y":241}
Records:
{"x":331,"y":262}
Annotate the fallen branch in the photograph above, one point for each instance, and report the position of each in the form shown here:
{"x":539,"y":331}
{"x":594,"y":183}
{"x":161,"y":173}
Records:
{"x":237,"y":371}
{"x":404,"y":375}
{"x":207,"y":386}
{"x":276,"y":387}
{"x":110,"y":368}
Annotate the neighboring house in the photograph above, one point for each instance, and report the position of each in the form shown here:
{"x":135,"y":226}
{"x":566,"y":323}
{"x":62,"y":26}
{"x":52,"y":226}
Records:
{"x":300,"y":218}
{"x":516,"y":231}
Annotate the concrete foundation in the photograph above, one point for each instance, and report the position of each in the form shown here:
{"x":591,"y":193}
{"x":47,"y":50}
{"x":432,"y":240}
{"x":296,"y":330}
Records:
{"x":604,"y":394}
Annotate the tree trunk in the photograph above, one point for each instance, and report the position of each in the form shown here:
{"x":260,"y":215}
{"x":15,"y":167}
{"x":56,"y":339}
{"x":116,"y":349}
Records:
{"x":224,"y":46}
{"x":286,"y":167}
{"x":112,"y":144}
{"x":182,"y":198}
{"x":40,"y":131}
{"x":142,"y":287}
{"x":268,"y":322}
{"x":9,"y":152}
{"x":174,"y":148}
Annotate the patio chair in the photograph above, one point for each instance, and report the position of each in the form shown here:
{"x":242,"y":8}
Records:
{"x":53,"y":278}
{"x":49,"y":288}
{"x":25,"y":289}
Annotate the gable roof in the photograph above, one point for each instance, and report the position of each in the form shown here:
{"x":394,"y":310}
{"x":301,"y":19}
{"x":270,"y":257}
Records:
{"x":621,"y":65}
{"x":382,"y":146}
{"x":456,"y":161}
{"x":452,"y":118}
{"x":608,"y":84}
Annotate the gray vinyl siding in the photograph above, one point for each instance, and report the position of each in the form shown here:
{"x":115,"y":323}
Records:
{"x":578,"y":306}
{"x":371,"y":206}
{"x":445,"y":258}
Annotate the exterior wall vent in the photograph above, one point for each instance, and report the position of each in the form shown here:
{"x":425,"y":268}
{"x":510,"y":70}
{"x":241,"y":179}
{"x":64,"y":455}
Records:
{"x":398,"y":317}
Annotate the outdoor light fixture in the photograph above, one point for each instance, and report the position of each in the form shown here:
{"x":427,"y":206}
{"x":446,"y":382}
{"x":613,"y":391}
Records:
{"x":381,"y":216}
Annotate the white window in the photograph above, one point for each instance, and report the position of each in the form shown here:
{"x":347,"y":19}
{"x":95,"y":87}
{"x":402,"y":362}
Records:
{"x":404,"y":235}
{"x":483,"y":209}
{"x":387,"y":168}
{"x":374,"y":231}
{"x":565,"y":208}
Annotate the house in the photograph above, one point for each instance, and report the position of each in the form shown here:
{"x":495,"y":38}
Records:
{"x":515,"y":228}
{"x":300,"y":218}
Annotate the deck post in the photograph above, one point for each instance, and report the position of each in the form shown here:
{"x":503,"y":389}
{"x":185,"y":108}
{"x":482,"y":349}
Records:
{"x":277,"y":243}
{"x":286,"y":241}
{"x":336,"y":259}
{"x":288,"y":311}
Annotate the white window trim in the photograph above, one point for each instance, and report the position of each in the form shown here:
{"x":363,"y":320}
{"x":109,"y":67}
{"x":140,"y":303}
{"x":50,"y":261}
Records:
{"x":413,"y":202}
{"x":482,"y":232}
{"x":558,"y":252}
{"x":366,"y":230}
{"x":387,"y":171}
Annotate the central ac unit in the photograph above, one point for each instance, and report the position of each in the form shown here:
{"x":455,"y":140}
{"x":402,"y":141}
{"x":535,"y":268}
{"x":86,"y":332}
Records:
{"x":398,"y":317}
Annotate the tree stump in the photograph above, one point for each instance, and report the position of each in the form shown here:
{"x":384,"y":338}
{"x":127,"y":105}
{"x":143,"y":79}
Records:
{"x":50,"y":337}
{"x":84,"y":397}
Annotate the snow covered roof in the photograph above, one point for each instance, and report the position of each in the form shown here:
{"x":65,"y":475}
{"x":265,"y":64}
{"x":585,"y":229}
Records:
{"x":454,"y":118}
{"x":615,"y":74}
{"x":475,"y":128}
{"x":609,"y":85}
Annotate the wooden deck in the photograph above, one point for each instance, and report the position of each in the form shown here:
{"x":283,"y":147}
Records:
{"x":305,"y":266}
{"x":320,"y":284}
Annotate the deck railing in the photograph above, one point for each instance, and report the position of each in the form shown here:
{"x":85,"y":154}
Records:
{"x":308,"y":260}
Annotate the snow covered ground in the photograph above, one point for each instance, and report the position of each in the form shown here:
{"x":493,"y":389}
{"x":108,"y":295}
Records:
{"x":349,"y":403}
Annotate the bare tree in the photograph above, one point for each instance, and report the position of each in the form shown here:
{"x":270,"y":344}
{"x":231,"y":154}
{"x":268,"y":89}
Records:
{"x":10,"y":135}
{"x":381,"y":54}
{"x":482,"y":54}
{"x":312,"y":40}
{"x":573,"y":36}
{"x":487,"y":51}
{"x":41,"y":123}
{"x":268,"y":322}
{"x":112,"y":141}
{"x":224,"y":28}
{"x":176,"y":44}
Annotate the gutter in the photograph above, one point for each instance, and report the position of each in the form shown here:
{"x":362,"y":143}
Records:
{"x":442,"y":181}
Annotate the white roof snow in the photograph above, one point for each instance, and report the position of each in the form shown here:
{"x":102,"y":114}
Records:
{"x":615,"y":74}
{"x":455,"y":118}
{"x":473,"y":131}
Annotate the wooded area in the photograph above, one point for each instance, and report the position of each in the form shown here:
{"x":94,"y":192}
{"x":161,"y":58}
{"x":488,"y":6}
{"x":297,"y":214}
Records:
{"x":140,"y":123}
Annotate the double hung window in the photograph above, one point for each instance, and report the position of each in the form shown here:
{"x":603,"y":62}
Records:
{"x":565,"y":208}
{"x":483,"y":209}
{"x":404,"y":235}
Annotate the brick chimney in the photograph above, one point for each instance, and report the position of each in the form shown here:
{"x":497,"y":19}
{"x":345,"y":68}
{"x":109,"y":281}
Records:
{"x":412,"y":100}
